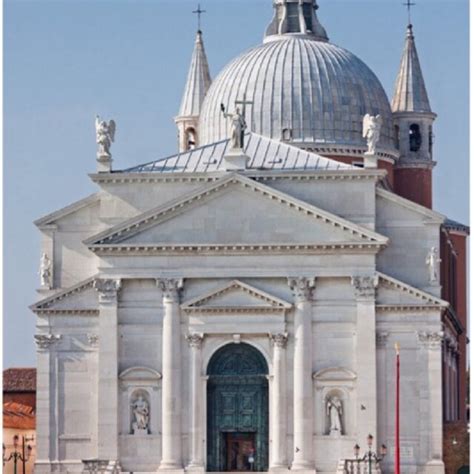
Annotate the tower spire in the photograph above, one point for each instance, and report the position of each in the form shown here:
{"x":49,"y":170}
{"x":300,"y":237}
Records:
{"x":410,"y":90}
{"x":197,"y":85}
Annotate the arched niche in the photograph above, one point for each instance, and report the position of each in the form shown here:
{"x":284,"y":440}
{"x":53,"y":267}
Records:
{"x":135,"y":382}
{"x":334,"y":382}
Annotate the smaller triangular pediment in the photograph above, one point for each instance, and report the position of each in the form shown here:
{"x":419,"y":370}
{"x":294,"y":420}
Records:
{"x":394,"y":293}
{"x":237,"y":296}
{"x":80,"y":298}
{"x":235,"y":210}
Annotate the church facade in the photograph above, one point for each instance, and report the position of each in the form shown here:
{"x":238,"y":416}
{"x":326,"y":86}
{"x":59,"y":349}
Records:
{"x":235,"y":307}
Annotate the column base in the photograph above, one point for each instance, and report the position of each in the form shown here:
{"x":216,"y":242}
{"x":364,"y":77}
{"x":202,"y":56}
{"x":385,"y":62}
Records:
{"x":195,"y":468}
{"x":279,"y":468}
{"x":169,"y":468}
{"x":304,"y":467}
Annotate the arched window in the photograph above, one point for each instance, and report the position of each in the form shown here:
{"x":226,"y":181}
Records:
{"x":415,"y":137}
{"x":397,"y":137}
{"x":190,"y":139}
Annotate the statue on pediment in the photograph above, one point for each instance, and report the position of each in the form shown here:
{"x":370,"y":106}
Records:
{"x":105,"y":136}
{"x":372,"y":128}
{"x":238,"y":127}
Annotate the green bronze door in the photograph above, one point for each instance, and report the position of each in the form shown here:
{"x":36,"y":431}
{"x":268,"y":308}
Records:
{"x":237,"y":410}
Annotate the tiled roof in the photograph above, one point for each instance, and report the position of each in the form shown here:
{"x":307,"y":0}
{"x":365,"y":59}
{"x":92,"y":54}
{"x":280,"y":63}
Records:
{"x":264,"y":154}
{"x":19,"y":380}
{"x":18,"y":416}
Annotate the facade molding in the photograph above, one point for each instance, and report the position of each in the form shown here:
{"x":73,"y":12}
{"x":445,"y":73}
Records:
{"x":174,"y":207}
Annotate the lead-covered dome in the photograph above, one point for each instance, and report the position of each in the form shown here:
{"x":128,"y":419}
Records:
{"x":304,"y":90}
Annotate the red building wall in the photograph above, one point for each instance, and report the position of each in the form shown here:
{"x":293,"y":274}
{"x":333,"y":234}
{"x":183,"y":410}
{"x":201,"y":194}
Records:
{"x":414,"y":184}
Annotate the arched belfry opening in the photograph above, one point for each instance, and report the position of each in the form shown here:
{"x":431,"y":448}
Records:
{"x":237,"y":410}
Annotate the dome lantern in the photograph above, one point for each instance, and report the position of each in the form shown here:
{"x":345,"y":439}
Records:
{"x":295,"y":17}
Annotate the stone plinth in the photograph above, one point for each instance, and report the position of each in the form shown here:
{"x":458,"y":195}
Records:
{"x":235,"y":160}
{"x":370,"y":160}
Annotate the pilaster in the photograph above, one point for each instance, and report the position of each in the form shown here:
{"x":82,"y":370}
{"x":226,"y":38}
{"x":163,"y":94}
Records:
{"x":303,"y":459}
{"x":430,"y":345}
{"x":45,"y":430}
{"x":108,"y":441}
{"x":366,"y":360}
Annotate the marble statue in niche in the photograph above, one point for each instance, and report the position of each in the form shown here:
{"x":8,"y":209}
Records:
{"x":334,"y":413}
{"x":141,"y":416}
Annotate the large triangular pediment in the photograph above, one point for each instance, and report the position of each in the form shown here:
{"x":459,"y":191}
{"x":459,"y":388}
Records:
{"x":392,"y":293}
{"x":80,"y":298}
{"x":235,"y":296}
{"x":236,"y":210}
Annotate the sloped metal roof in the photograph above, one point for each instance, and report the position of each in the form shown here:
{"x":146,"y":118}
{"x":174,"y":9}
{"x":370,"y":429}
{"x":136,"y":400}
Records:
{"x":264,"y":154}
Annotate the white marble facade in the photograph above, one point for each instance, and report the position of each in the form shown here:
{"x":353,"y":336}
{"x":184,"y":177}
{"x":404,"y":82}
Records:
{"x":312,"y":262}
{"x":321,"y":271}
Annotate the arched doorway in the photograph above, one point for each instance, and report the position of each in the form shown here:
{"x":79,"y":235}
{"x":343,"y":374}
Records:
{"x":237,"y":410}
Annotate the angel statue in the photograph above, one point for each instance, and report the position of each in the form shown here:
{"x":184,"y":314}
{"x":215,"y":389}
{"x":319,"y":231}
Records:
{"x":334,"y":412}
{"x":433,"y":261}
{"x":45,"y":271}
{"x":105,"y":136}
{"x":141,"y":414}
{"x":238,"y":127}
{"x":371,"y":131}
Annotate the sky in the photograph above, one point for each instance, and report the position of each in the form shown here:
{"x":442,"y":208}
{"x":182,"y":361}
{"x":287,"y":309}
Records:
{"x":67,"y":60}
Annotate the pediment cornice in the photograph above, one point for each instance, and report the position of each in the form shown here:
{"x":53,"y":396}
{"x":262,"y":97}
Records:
{"x":426,"y":300}
{"x":115,"y":238}
{"x":46,"y":305}
{"x":266,"y":302}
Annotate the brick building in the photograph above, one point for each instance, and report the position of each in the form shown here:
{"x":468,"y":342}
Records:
{"x":19,"y":414}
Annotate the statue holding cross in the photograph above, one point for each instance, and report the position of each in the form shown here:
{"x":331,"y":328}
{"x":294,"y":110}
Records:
{"x":238,"y":123}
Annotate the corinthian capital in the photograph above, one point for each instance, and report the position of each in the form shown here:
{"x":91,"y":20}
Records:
{"x":108,"y":289}
{"x":170,"y":288}
{"x":302,"y":288}
{"x":279,"y":340}
{"x":195,"y":340}
{"x":44,"y":341}
{"x":431,"y":340}
{"x":365,"y":286}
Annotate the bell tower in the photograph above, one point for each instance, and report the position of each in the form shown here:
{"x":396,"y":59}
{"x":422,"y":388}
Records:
{"x":413,"y":122}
